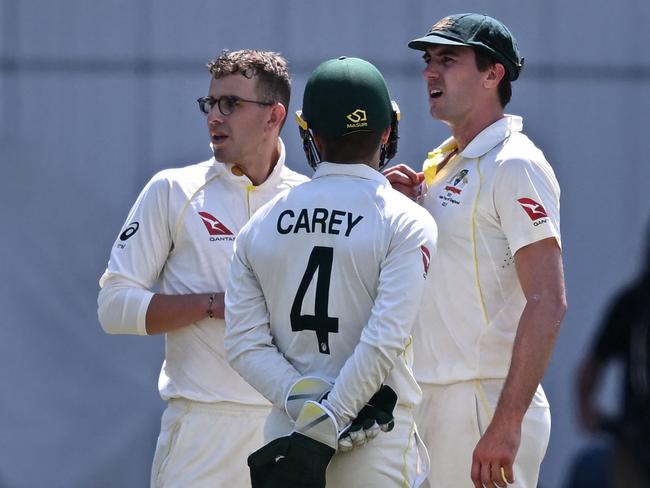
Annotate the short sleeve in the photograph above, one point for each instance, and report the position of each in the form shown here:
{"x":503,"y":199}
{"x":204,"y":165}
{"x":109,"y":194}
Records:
{"x":527,"y":200}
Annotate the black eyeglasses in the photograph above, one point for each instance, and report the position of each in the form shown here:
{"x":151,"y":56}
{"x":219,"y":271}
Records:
{"x":226,"y":104}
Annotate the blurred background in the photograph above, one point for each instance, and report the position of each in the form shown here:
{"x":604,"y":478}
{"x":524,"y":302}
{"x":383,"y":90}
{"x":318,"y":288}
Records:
{"x":95,"y":97}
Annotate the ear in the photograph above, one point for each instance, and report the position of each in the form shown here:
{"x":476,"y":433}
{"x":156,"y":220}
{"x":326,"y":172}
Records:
{"x":385,"y":135}
{"x":494,"y":75}
{"x":277,"y":116}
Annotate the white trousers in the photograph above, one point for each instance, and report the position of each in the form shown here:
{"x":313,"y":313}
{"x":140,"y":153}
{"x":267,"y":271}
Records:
{"x":206,"y":445}
{"x":395,"y":459}
{"x":452,"y":419}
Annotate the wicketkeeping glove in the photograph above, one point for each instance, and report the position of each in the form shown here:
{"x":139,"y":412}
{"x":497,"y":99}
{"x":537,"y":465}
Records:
{"x":375,"y":417}
{"x":307,"y":388}
{"x":298,"y":460}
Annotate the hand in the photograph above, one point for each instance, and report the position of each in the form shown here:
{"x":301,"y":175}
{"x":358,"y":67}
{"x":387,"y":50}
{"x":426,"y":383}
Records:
{"x":405,"y":180}
{"x":306,"y":388}
{"x":375,"y":417}
{"x":494,"y":456}
{"x":298,"y":460}
{"x":294,"y":460}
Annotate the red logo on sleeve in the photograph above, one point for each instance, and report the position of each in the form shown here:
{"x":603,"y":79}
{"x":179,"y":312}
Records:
{"x":426,"y":259}
{"x":534,"y":210}
{"x":215,"y":228}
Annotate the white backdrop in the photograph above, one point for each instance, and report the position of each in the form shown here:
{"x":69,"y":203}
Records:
{"x":97,"y":96}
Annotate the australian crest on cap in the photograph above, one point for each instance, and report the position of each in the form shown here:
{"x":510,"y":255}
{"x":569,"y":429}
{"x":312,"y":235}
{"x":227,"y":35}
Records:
{"x":443,"y":24}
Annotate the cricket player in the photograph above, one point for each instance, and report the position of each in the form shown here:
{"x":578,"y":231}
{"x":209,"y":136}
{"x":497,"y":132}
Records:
{"x":496,"y":297}
{"x":178,"y":239}
{"x":325,"y":284}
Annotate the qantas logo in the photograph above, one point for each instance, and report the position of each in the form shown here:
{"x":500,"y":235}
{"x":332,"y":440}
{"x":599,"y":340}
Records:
{"x":214,"y":226}
{"x":534,"y":210}
{"x":426,"y":259}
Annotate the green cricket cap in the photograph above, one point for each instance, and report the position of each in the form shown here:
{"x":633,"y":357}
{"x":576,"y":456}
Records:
{"x":478,"y":31}
{"x":346,"y":95}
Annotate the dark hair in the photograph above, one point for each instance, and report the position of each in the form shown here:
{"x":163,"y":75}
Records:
{"x":485,"y":60}
{"x":351,"y":148}
{"x":274,"y":82}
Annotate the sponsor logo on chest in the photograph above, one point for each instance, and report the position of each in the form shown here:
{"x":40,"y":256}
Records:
{"x":216,"y":229}
{"x":454,"y":188}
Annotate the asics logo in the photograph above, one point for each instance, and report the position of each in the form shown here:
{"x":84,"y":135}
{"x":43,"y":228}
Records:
{"x":129,"y":231}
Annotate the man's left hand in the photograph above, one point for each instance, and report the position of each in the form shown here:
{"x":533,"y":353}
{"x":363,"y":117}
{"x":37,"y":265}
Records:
{"x":494,"y":456}
{"x":375,"y":417}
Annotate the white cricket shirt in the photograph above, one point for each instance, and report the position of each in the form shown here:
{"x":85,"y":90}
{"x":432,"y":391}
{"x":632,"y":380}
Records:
{"x":326,"y":280}
{"x":179,"y":236}
{"x":496,"y":196}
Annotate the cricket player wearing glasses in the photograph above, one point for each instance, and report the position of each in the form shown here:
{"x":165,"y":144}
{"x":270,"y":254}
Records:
{"x":178,"y":239}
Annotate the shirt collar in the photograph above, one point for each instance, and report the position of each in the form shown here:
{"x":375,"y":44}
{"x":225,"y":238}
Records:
{"x":359,"y":170}
{"x":232,"y":170}
{"x":485,"y":140}
{"x":493,"y":135}
{"x":276,"y":173}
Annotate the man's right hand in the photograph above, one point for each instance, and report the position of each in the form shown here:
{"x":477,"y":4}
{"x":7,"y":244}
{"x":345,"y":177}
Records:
{"x":300,"y":459}
{"x":405,"y":180}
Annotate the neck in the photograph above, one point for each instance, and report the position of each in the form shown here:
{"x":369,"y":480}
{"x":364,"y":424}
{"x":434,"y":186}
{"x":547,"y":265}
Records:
{"x":465,"y":131}
{"x":372,"y":164}
{"x":373,"y":161}
{"x":259,"y":169}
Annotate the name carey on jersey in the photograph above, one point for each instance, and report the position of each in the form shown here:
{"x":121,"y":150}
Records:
{"x":321,"y":220}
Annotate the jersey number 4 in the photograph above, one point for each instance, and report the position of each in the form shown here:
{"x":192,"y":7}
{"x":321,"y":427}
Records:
{"x":320,"y":259}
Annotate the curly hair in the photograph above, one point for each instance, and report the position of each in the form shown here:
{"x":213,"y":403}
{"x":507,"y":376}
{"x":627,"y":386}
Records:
{"x":274,"y":82}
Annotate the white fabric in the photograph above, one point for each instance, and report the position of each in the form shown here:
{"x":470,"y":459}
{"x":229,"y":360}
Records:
{"x":394,"y":459}
{"x":206,"y":445}
{"x":122,"y":307}
{"x":375,"y":235}
{"x":469,"y":319}
{"x":397,"y":458}
{"x":451,"y":420}
{"x":181,"y":251}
